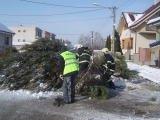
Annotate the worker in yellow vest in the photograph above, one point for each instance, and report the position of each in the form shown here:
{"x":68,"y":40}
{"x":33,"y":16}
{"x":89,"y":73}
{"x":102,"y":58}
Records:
{"x":69,"y":69}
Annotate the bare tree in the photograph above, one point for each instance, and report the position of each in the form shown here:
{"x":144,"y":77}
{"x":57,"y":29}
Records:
{"x":85,"y":40}
{"x":69,"y":43}
{"x":98,"y":41}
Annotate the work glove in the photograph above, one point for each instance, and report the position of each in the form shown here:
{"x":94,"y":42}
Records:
{"x":61,"y":76}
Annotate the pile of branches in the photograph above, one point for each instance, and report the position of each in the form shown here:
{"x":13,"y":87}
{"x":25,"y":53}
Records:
{"x":35,"y":68}
{"x":90,"y":82}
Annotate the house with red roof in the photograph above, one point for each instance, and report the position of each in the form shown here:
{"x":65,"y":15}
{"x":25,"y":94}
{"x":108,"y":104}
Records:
{"x":136,"y":35}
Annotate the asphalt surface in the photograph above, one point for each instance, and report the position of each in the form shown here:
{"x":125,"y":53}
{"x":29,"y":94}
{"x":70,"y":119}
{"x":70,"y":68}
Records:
{"x":124,"y":103}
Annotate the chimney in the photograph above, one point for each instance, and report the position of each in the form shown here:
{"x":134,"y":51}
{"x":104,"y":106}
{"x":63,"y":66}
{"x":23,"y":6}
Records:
{"x":155,"y":2}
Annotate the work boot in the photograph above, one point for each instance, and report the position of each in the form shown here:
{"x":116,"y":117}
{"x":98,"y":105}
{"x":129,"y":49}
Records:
{"x":59,"y":101}
{"x":72,"y":101}
{"x":113,"y":87}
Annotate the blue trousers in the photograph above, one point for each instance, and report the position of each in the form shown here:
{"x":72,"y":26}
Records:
{"x":66,"y":80}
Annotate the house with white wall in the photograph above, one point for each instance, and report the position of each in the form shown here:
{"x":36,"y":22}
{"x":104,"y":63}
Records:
{"x":134,"y":31}
{"x":6,"y":37}
{"x":26,"y":33}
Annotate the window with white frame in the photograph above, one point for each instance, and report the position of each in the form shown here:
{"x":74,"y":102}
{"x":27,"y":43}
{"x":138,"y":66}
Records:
{"x":19,"y":30}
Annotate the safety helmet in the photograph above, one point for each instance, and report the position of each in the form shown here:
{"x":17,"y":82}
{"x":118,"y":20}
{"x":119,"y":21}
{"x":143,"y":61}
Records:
{"x":79,"y":46}
{"x":105,"y":50}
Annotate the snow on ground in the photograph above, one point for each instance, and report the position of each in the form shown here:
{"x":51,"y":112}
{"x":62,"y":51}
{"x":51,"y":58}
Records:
{"x":23,"y":94}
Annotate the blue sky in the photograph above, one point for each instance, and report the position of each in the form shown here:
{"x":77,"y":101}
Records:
{"x":68,"y":19}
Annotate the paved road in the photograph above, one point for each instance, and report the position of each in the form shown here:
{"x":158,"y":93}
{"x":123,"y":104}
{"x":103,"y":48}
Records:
{"x":138,"y":102}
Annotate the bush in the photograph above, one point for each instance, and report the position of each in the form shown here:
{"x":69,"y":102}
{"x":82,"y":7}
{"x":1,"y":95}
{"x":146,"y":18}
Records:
{"x":121,"y":66}
{"x":38,"y":63}
{"x":6,"y":57}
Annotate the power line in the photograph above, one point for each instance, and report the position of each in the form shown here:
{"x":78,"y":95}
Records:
{"x":105,"y":20}
{"x":53,"y":14}
{"x":127,"y":6}
{"x":108,"y":20}
{"x":76,"y":34}
{"x":54,"y":4}
{"x":66,"y":34}
{"x":124,"y":3}
{"x":103,"y":25}
{"x":106,"y":32}
{"x":114,"y":2}
{"x":98,"y":23}
{"x":48,"y":22}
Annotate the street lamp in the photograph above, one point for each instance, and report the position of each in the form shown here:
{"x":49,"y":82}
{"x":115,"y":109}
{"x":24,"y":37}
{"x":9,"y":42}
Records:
{"x":96,"y":4}
{"x":114,"y":18}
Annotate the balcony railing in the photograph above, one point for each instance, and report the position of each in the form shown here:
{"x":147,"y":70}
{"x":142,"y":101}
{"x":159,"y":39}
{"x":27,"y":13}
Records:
{"x":154,"y":44}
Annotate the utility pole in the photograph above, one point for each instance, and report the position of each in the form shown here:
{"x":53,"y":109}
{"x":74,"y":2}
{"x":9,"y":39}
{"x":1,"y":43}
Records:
{"x":114,"y":8}
{"x":92,"y":47}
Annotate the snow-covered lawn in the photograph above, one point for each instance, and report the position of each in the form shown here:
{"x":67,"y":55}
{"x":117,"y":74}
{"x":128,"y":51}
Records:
{"x":152,"y":74}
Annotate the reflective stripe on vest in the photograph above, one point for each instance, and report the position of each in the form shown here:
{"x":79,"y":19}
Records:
{"x":105,"y":67}
{"x":111,"y":70}
{"x":77,"y":54}
{"x":71,"y":63}
{"x":86,"y":53}
{"x":84,"y":61}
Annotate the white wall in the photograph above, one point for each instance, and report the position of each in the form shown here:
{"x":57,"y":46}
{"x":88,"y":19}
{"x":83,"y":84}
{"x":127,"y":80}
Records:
{"x":29,"y":35}
{"x":141,"y":40}
{"x":127,"y":34}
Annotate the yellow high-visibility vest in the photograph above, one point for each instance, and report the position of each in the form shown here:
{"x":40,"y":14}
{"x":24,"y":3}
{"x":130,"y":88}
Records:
{"x":71,"y":64}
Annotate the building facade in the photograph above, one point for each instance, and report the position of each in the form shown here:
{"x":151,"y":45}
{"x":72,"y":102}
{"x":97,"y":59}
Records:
{"x":48,"y":35}
{"x":6,"y":37}
{"x":26,"y":33}
{"x":135,"y":33}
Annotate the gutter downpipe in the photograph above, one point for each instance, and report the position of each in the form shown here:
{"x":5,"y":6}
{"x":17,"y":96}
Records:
{"x":135,"y":37}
